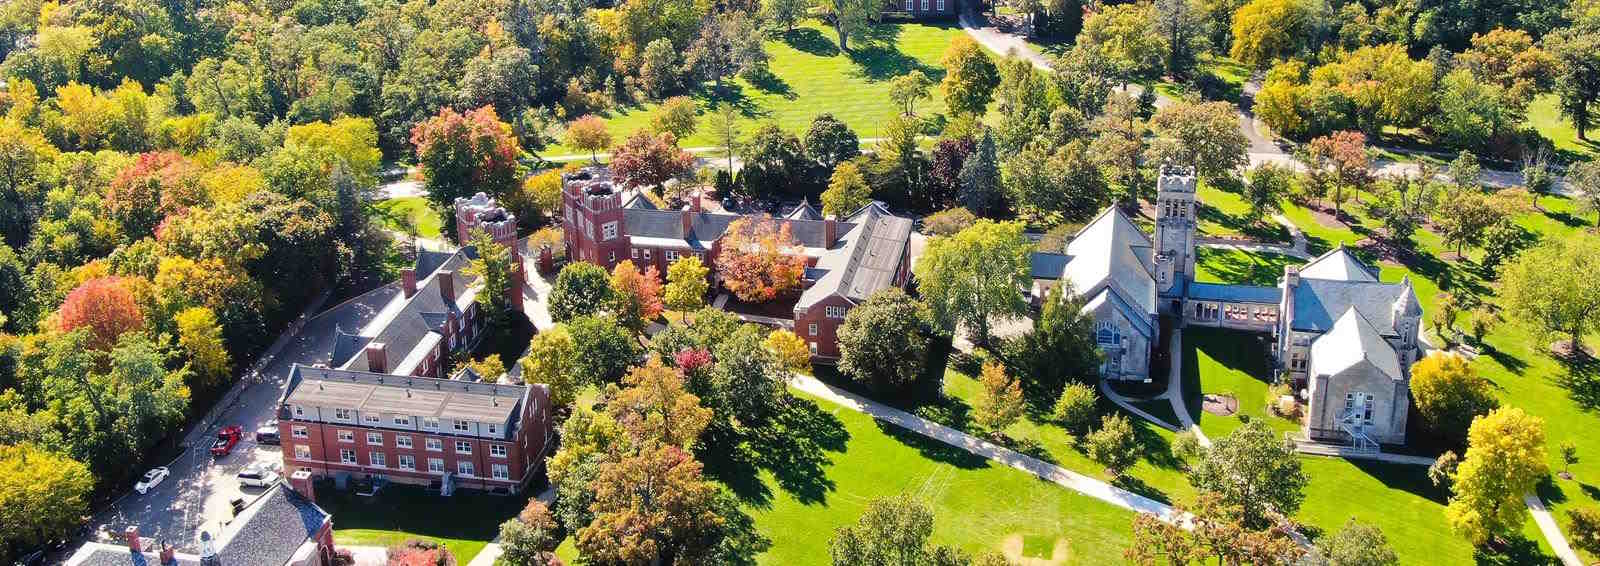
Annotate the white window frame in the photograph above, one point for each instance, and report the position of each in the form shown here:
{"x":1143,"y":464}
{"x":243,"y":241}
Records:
{"x":402,"y":420}
{"x":299,"y":411}
{"x":924,"y":5}
{"x":911,"y":6}
{"x":669,"y":255}
{"x":498,"y":450}
{"x":302,"y":452}
{"x":375,"y":439}
{"x":611,"y":256}
{"x":940,"y":4}
{"x":402,"y":441}
{"x":435,"y":445}
{"x":343,"y":414}
{"x":500,"y":471}
{"x":407,"y":462}
{"x":493,"y":428}
{"x":813,"y":329}
{"x":436,"y":465}
{"x":635,"y":253}
{"x":377,"y":459}
{"x":608,"y":231}
{"x":647,"y":254}
{"x":372,"y":419}
{"x":833,"y":311}
{"x":461,"y":425}
{"x":465,"y":469}
{"x":299,"y":432}
{"x":429,"y":423}
{"x":347,"y":456}
{"x":463,"y":447}
{"x":348,"y":436}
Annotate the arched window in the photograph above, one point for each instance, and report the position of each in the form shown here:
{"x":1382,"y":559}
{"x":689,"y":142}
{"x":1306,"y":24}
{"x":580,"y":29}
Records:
{"x":1108,"y":334}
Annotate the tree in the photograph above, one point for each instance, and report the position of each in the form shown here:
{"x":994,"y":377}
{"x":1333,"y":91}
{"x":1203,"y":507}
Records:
{"x":1549,"y":287}
{"x":1463,"y":215}
{"x":1266,"y":31}
{"x":464,"y":154}
{"x":774,"y":163}
{"x":1181,"y":25}
{"x":418,"y":551}
{"x":784,"y":13}
{"x":645,"y":160}
{"x":658,"y":69}
{"x":1449,"y":395}
{"x":970,"y":77}
{"x":1471,"y":113}
{"x":1268,"y":184}
{"x":635,"y":296}
{"x":200,"y":335}
{"x":1443,"y":470}
{"x":1356,"y":544}
{"x":603,"y":349}
{"x":847,"y":191}
{"x":760,"y":260}
{"x":790,"y":349}
{"x":1576,"y":51}
{"x":1001,"y":403}
{"x":893,"y":530}
{"x":43,"y":495}
{"x":495,"y":270}
{"x":530,"y":538}
{"x":581,"y":289}
{"x":830,"y":142}
{"x":748,"y":379}
{"x":1126,"y":37}
{"x":553,"y":360}
{"x":851,"y":18}
{"x":1066,"y":181}
{"x":105,"y":306}
{"x":1505,"y":459}
{"x":729,"y":43}
{"x":1119,"y":146}
{"x":723,"y":126}
{"x":1252,"y":468}
{"x":905,"y":90}
{"x":948,"y":222}
{"x":1343,"y":157}
{"x":1075,"y":408}
{"x":677,"y":116}
{"x":1569,"y":456}
{"x":648,"y":508}
{"x":980,"y":180}
{"x":655,"y":407}
{"x":1583,"y":528}
{"x":1465,"y":170}
{"x":883,"y":342}
{"x":944,"y":171}
{"x":1583,"y":179}
{"x":589,"y":133}
{"x":686,"y":284}
{"x":1113,"y":445}
{"x":1511,"y":60}
{"x":1207,"y":137}
{"x":975,"y":276}
{"x":1059,"y":350}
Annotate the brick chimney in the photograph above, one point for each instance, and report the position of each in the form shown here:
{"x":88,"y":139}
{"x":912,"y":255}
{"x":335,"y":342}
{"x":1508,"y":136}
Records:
{"x":447,"y":285}
{"x":830,"y":231}
{"x":378,"y":357}
{"x":301,"y":482}
{"x":131,"y":535}
{"x":408,"y":281}
{"x":687,"y":218}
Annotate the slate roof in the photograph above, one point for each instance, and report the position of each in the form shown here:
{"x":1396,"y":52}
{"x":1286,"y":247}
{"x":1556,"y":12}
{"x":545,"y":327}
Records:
{"x":267,"y":532}
{"x":346,"y":345}
{"x":416,"y":321}
{"x":1235,"y":293}
{"x":1338,"y":264}
{"x":804,"y":211}
{"x":1046,"y":265}
{"x":1318,"y":303}
{"x":404,"y":395}
{"x":863,"y":260}
{"x":1352,"y":341}
{"x":1111,"y":252}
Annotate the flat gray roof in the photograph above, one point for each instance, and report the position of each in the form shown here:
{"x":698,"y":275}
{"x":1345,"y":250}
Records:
{"x":402,"y":395}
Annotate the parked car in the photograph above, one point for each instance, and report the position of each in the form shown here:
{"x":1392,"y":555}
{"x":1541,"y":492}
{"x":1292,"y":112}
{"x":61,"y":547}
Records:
{"x":257,"y":476}
{"x":35,"y":558}
{"x":226,"y":440}
{"x":267,"y":433}
{"x":150,"y":480}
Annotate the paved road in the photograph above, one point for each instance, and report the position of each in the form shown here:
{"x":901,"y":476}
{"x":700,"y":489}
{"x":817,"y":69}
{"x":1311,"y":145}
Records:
{"x":195,"y":497}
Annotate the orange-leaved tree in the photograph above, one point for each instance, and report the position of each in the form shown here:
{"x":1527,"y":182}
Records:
{"x":760,"y":260}
{"x":104,"y":305}
{"x":635,"y":296}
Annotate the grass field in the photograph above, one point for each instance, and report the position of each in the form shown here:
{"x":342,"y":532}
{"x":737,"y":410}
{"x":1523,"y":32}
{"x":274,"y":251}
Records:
{"x":810,"y":76}
{"x":464,"y":522}
{"x":1220,"y":265}
{"x":1544,"y":114}
{"x":1225,"y":214}
{"x":410,"y":215}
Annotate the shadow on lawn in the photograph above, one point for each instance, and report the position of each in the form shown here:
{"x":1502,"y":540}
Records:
{"x":1237,"y":351}
{"x":794,"y":446}
{"x":411,"y":512}
{"x":1582,"y":380}
{"x":771,"y":83}
{"x":1519,"y":551}
{"x":1404,"y":477}
{"x":1245,"y":268}
{"x":810,"y":41}
{"x":1264,"y":231}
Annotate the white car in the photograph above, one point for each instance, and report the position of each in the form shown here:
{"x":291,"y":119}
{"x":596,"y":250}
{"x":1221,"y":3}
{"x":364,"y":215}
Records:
{"x":257,"y":476}
{"x":150,"y":480}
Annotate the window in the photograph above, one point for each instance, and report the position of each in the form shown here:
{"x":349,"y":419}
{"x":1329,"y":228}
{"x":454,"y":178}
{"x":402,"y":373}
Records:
{"x":341,"y":414}
{"x":302,"y":452}
{"x":910,"y":6}
{"x":608,"y":230}
{"x":378,"y":459}
{"x":430,"y":423}
{"x":647,"y":253}
{"x":924,"y":5}
{"x":371,"y":419}
{"x":402,"y":440}
{"x":435,"y":445}
{"x":494,"y":428}
{"x":463,"y":447}
{"x":813,"y":348}
{"x":347,"y":436}
{"x":347,"y":456}
{"x":500,"y":471}
{"x":940,"y":4}
{"x":635,"y":253}
{"x":407,"y":462}
{"x":670,"y":255}
{"x":299,"y":432}
{"x":612,"y":256}
{"x":497,"y":450}
{"x":402,"y":420}
{"x":436,"y":465}
{"x":834,"y":311}
{"x":1297,"y":361}
{"x":375,"y":438}
{"x":463,"y":426}
{"x":1108,"y":335}
{"x":299,"y":411}
{"x":813,"y":329}
{"x":464,"y":468}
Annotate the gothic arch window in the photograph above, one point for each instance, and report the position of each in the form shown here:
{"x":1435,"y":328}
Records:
{"x":1108,"y":335}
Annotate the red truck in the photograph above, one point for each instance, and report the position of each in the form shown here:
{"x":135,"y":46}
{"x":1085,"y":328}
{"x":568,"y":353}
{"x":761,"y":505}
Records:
{"x":226,"y":439}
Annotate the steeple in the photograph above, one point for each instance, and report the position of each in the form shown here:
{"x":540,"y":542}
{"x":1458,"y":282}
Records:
{"x":1175,"y":228}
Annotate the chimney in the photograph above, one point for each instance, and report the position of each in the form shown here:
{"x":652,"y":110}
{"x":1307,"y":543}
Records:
{"x":447,"y":285}
{"x":168,"y":555}
{"x":687,"y":217}
{"x":131,"y":534}
{"x":1291,"y":276}
{"x":408,"y":281}
{"x":694,"y":200}
{"x":301,"y":482}
{"x":378,"y":357}
{"x":830,"y":231}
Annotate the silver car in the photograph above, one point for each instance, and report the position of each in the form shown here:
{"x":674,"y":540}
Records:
{"x":257,"y":476}
{"x":150,"y":480}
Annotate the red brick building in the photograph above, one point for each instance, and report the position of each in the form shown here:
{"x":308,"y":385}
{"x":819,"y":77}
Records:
{"x":413,"y":429}
{"x":848,"y":258}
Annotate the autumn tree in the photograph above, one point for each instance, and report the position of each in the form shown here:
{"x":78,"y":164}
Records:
{"x":975,"y":276}
{"x":1550,"y":287}
{"x":153,"y":186}
{"x":1113,"y":444}
{"x":43,"y":495}
{"x":581,"y":289}
{"x":686,"y":284}
{"x":883,"y":342}
{"x":589,"y":133}
{"x":1125,"y":36}
{"x":790,"y":349}
{"x":530,"y":538}
{"x":1217,"y":530}
{"x":677,"y":116}
{"x":464,"y":154}
{"x":1266,"y":31}
{"x":1583,"y":528}
{"x":1001,"y":403}
{"x":847,"y":191}
{"x":106,"y":306}
{"x":905,"y":90}
{"x":635,"y":297}
{"x":893,"y":530}
{"x":760,"y":260}
{"x":970,"y":77}
{"x":1449,"y":395}
{"x":200,"y":335}
{"x":646,"y":160}
{"x":1252,"y":468}
{"x":1340,"y":158}
{"x":1203,"y":135}
{"x":552,"y":360}
{"x":1505,"y":459}
{"x":1075,"y":409}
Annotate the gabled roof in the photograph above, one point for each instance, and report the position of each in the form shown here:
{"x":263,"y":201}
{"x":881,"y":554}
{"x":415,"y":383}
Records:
{"x":804,"y":211}
{"x":267,"y":532}
{"x":1046,"y":265}
{"x":1110,"y":251}
{"x":1317,"y":303}
{"x":1353,"y":340}
{"x":408,"y":323}
{"x":404,"y":395}
{"x":865,"y":258}
{"x":1338,"y":264}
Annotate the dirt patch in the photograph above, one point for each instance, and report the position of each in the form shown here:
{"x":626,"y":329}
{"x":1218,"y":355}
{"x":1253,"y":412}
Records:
{"x":1563,"y":349}
{"x":1326,"y":219}
{"x":1020,"y":552}
{"x":1220,"y":405}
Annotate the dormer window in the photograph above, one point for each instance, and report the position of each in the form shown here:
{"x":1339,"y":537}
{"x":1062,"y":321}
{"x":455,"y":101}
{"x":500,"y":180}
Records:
{"x":463,"y":426}
{"x":342,"y":414}
{"x":430,"y":423}
{"x":371,"y":419}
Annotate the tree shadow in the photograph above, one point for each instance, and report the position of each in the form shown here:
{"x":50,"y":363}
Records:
{"x":1409,"y":478}
{"x":733,"y":95}
{"x":879,"y":61}
{"x":810,"y":41}
{"x":1246,"y":267}
{"x":1513,"y":364}
{"x":795,"y":446}
{"x":1568,"y":219}
{"x":1582,"y":380}
{"x":1519,"y":551}
{"x":933,"y":449}
{"x":1261,"y":231}
{"x":734,"y":463}
{"x":769,"y":82}
{"x":1136,"y":485}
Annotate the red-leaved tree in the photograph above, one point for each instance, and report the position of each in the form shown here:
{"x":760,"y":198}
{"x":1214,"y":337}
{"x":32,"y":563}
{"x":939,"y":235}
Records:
{"x":646,"y":160}
{"x":155,"y":185}
{"x":104,"y":305}
{"x":1339,"y":161}
{"x":635,"y":296}
{"x":463,"y":154}
{"x":760,"y":260}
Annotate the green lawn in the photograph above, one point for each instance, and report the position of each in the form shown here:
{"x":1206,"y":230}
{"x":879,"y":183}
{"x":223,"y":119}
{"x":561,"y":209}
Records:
{"x":1221,"y":265}
{"x":410,"y":215}
{"x":810,"y":76}
{"x":1225,"y":214}
{"x":1545,"y":116}
{"x":464,"y":522}
{"x":1232,"y":363}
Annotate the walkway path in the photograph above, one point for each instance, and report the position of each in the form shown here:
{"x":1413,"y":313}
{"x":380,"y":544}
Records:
{"x":1174,"y":392}
{"x":1251,"y":246}
{"x":1044,"y":470}
{"x":1127,"y":404}
{"x":1552,"y":531}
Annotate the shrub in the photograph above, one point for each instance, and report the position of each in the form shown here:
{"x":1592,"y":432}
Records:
{"x":1075,"y":408}
{"x":1113,"y":445}
{"x":1186,"y":447}
{"x":417,"y":552}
